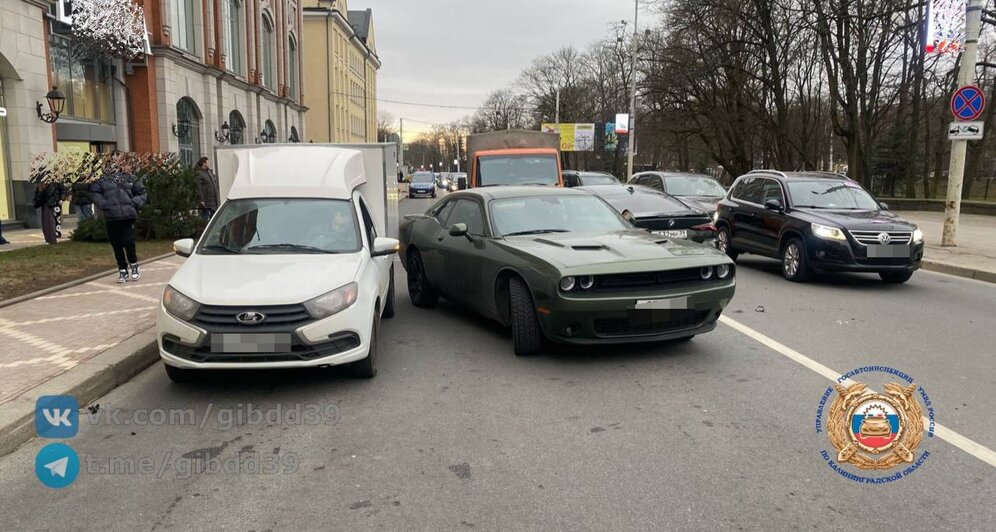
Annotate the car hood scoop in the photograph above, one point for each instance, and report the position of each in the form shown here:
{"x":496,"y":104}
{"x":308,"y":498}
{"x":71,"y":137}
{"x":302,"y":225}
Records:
{"x":581,"y":249}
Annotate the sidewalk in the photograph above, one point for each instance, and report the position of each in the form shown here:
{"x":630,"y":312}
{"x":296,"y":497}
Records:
{"x":24,"y":238}
{"x":975,"y":255}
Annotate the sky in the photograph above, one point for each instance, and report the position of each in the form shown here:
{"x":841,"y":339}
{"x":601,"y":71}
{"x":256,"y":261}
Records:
{"x":455,"y":52}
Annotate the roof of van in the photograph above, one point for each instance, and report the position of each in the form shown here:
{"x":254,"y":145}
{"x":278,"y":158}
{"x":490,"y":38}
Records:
{"x":297,"y":171}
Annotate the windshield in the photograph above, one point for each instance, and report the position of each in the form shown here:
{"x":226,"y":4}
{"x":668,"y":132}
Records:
{"x":518,"y":170}
{"x":598,"y":179}
{"x":423,"y":177}
{"x":272,"y":226}
{"x":693,"y":186}
{"x":831,"y":194}
{"x":553,"y":214}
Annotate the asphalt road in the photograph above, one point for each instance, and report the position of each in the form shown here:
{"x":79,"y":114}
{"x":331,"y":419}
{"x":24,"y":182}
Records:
{"x":457,"y":433}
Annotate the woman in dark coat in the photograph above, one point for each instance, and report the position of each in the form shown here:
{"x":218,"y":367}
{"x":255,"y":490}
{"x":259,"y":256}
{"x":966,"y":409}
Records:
{"x":119,"y":197}
{"x":48,"y":198}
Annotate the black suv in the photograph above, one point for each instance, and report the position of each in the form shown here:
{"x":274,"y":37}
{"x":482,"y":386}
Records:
{"x":814,"y":221}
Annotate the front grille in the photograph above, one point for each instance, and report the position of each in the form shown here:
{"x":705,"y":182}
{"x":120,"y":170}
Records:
{"x":885,"y":261}
{"x":647,"y":280}
{"x":663,"y":223}
{"x":898,"y":238}
{"x":339,"y":343}
{"x":278,"y":317}
{"x":649,"y":323}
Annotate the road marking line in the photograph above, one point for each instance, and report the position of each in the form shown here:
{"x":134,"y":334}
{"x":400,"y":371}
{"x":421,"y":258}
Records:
{"x":975,"y":449}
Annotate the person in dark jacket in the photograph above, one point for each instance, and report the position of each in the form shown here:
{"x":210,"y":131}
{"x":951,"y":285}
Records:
{"x":208,"y":195}
{"x":48,"y":198}
{"x":3,"y":241}
{"x":119,"y":197}
{"x":82,"y":201}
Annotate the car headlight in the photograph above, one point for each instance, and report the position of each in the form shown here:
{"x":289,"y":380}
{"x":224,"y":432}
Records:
{"x":723,"y":271}
{"x":715,"y":216}
{"x":178,"y":304}
{"x":586,"y":282}
{"x":827,"y":232}
{"x":705,"y":273}
{"x":917,"y":235}
{"x":567,"y":284}
{"x":333,"y":302}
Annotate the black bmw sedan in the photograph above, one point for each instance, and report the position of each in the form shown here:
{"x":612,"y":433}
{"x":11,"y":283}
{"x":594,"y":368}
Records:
{"x":813,"y":222}
{"x":657,"y":212}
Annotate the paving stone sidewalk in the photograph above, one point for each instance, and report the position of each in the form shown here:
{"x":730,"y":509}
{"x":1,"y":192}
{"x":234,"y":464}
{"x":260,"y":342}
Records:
{"x":25,"y":238}
{"x":975,"y":254}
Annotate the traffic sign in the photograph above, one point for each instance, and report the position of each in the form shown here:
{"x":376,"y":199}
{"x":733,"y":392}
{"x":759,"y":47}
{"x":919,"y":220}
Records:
{"x":3,"y":112}
{"x":968,"y":103}
{"x":966,"y":130}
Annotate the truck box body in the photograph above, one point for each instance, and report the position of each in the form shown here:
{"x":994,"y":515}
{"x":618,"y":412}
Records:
{"x":512,"y":143}
{"x":375,"y":179}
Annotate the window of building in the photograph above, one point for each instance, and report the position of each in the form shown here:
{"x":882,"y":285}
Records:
{"x":234,"y":40}
{"x":269,"y":68}
{"x":270,"y":132}
{"x":188,"y":120}
{"x":184,"y":12}
{"x":237,"y":128}
{"x":87,"y":83}
{"x":292,"y":68}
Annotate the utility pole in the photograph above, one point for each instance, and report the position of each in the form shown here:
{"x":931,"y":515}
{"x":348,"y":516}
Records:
{"x":557,"y":119}
{"x":401,"y":152}
{"x":956,"y":168}
{"x":632,"y":102}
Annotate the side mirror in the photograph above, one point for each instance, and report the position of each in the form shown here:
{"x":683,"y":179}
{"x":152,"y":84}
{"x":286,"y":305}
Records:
{"x":883,"y":206}
{"x":462,"y":183}
{"x":458,"y":230}
{"x":773,"y":204}
{"x":384,"y":246}
{"x":184,"y":248}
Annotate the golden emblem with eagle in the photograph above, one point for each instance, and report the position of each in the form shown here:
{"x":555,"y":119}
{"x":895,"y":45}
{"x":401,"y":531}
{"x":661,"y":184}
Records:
{"x":872,"y":430}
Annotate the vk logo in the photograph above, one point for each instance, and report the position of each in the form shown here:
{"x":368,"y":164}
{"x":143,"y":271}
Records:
{"x":57,"y":465}
{"x":57,"y":416}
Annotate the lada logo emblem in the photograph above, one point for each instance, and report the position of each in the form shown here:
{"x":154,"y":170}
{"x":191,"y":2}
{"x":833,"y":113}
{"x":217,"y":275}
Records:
{"x":884,"y":238}
{"x":250,"y":318}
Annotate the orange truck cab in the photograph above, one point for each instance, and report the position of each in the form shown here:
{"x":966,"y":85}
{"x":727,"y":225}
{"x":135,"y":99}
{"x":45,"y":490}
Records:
{"x":514,"y":157}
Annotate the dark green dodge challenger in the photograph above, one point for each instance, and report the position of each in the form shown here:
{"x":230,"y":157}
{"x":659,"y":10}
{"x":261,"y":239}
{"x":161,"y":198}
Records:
{"x":564,"y":265}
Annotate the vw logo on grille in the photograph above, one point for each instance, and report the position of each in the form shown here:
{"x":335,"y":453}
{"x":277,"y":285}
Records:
{"x":884,"y":238}
{"x":670,"y":223}
{"x":250,"y":318}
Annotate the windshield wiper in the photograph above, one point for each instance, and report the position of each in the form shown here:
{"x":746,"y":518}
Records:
{"x":298,"y":247}
{"x":537,"y":232}
{"x":219,"y":247}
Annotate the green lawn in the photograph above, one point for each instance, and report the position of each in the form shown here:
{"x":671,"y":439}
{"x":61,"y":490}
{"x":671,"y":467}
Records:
{"x":27,"y":270}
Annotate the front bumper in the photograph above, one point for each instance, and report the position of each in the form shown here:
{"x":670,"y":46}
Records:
{"x":338,"y":339}
{"x":614,"y":318}
{"x":839,"y":256}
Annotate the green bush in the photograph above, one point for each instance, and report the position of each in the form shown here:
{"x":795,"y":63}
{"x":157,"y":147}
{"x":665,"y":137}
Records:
{"x":90,"y":230}
{"x":171,"y":210}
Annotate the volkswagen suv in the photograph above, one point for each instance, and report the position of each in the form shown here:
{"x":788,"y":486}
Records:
{"x":815,"y":221}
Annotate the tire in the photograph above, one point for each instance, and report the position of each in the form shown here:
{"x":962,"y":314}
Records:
{"x":410,"y":195}
{"x":422,"y":294}
{"x":367,"y":368}
{"x":795,"y":265}
{"x":895,"y":277}
{"x":527,"y":338}
{"x":389,"y":301}
{"x":180,"y":375}
{"x":724,"y":243}
{"x":434,"y":194}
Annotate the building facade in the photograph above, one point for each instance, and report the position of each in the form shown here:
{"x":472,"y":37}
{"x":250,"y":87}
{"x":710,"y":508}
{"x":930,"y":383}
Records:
{"x":340,"y":72}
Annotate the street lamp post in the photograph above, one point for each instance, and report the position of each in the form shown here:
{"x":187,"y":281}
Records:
{"x":632,"y":101}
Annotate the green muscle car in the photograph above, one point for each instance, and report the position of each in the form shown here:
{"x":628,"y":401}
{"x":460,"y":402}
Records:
{"x":562,"y":264}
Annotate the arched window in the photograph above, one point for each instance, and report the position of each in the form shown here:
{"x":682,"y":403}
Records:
{"x":234,"y":22}
{"x":269,"y":44}
{"x":294,"y":137}
{"x":237,"y":128}
{"x":188,"y":130}
{"x":269,"y":132}
{"x":292,"y":68}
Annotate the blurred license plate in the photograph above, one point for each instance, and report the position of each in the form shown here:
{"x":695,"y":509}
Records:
{"x":679,"y":233}
{"x":251,"y":343}
{"x":674,"y":303}
{"x":878,"y":251}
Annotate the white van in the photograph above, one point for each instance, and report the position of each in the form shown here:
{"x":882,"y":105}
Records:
{"x":292,"y":271}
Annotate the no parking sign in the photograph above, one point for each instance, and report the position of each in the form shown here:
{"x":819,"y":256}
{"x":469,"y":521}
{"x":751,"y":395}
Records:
{"x":968,"y":103}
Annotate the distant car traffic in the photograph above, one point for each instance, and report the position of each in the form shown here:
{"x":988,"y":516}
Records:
{"x":455,"y":180}
{"x":816,"y":222}
{"x":443,"y":181}
{"x":563,"y":265}
{"x":657,"y":212}
{"x":700,"y":189}
{"x":574,"y":178}
{"x":423,"y":184}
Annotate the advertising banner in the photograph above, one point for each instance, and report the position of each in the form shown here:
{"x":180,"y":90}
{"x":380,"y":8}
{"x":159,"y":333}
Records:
{"x":573,"y":137}
{"x":945,"y":26}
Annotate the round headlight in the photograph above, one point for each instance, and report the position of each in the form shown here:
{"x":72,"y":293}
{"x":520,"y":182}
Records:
{"x":723,"y":271}
{"x":705,"y":273}
{"x":567,"y":284}
{"x":587,"y":282}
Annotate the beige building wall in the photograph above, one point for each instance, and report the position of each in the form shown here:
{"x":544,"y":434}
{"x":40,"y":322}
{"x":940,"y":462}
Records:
{"x":340,"y":73}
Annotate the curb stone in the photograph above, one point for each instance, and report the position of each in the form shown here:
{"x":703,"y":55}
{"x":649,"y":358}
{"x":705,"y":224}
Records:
{"x":959,"y":271}
{"x":87,"y":381}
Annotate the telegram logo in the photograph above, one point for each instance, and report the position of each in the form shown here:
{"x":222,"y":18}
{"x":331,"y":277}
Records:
{"x":57,"y":416}
{"x":57,"y":465}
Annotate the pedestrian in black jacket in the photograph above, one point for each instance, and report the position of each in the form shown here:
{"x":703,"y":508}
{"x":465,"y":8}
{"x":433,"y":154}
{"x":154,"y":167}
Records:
{"x":208,"y":195}
{"x":119,"y":197}
{"x":48,"y":198}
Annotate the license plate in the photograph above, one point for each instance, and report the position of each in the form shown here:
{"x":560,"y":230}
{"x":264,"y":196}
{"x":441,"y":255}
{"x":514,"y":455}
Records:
{"x":879,"y":251}
{"x":251,"y":343}
{"x":678,"y":233}
{"x":674,"y":303}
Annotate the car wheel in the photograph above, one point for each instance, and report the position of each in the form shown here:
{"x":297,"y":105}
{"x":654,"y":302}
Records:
{"x":180,"y":374}
{"x":433,"y":195}
{"x":389,"y":301}
{"x":421,"y":293}
{"x":367,"y":368}
{"x":527,"y":338}
{"x":795,"y":267}
{"x":895,"y":277}
{"x":724,"y":243}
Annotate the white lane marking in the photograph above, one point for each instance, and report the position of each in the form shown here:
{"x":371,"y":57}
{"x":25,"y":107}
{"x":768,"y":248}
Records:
{"x":975,"y":449}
